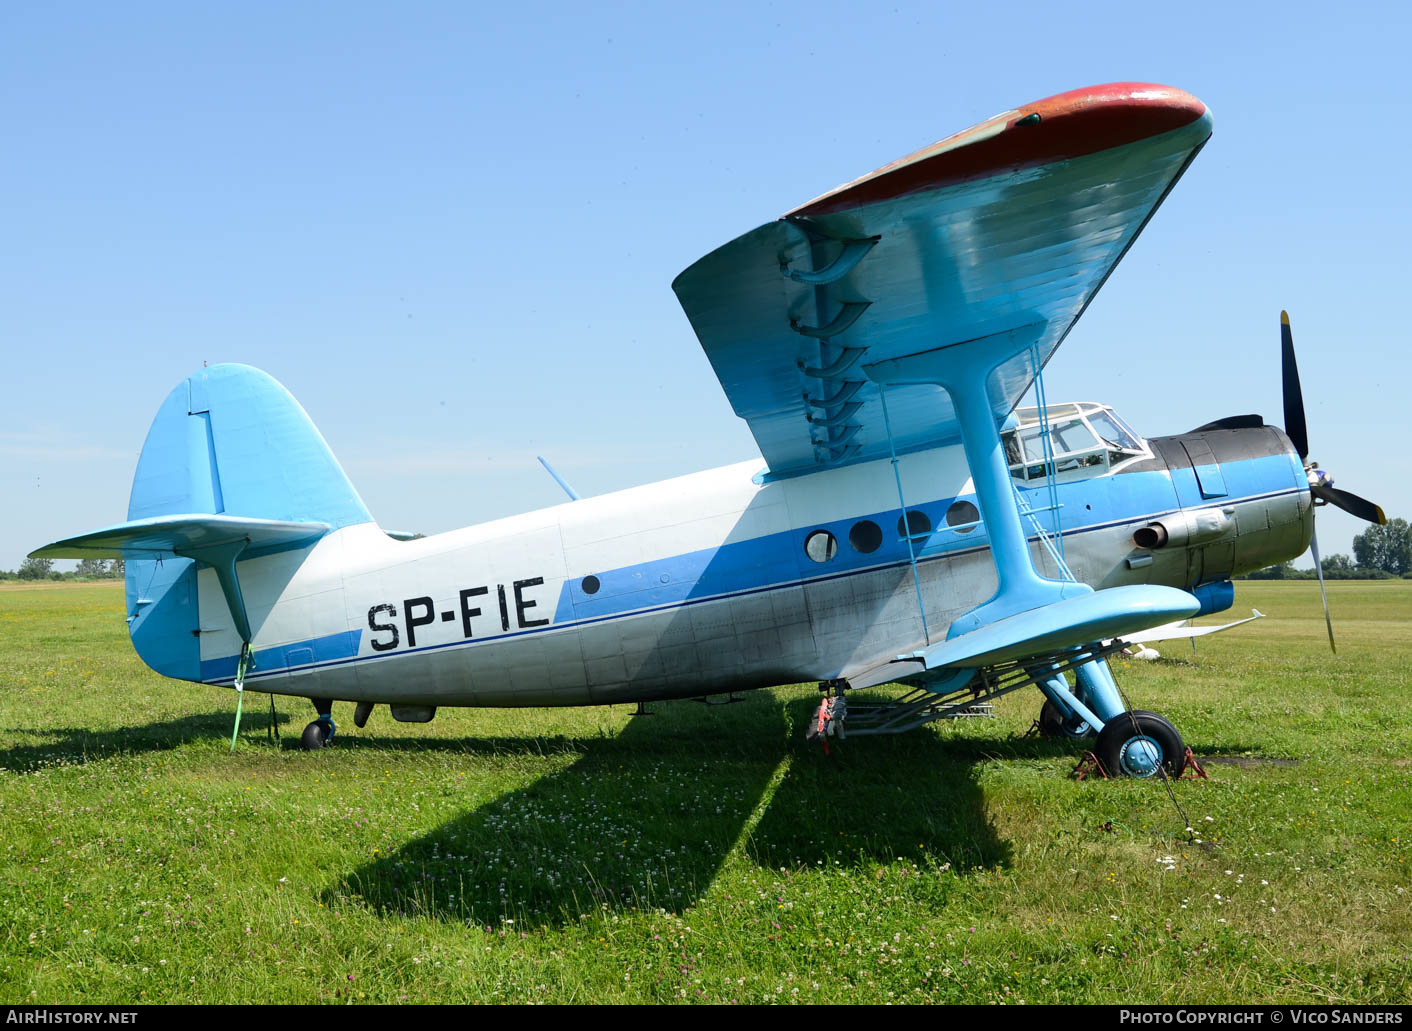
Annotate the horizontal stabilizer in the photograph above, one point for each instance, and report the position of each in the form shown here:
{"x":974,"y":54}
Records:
{"x":190,"y":536}
{"x":1070,"y":623}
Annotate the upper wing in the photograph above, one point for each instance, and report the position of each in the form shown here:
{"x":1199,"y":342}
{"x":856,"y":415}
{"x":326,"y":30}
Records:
{"x":1013,"y":224}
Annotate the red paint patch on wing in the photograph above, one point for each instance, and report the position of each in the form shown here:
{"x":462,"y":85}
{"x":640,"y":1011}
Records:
{"x":1070,"y":125}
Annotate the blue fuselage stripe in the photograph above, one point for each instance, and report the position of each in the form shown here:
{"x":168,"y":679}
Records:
{"x":287,"y":658}
{"x":777,"y":561}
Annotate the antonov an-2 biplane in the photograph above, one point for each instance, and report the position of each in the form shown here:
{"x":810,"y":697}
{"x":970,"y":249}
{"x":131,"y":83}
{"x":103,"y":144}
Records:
{"x":908,"y":524}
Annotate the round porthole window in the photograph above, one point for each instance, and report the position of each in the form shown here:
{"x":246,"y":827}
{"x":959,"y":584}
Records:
{"x":960,"y":513}
{"x":590,"y":584}
{"x":916,"y":525}
{"x":821,"y":546}
{"x":866,"y":536}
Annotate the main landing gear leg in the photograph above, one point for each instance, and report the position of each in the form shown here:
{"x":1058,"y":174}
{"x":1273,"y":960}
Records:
{"x":321,"y":731}
{"x":1130,"y":744}
{"x":1066,"y":713}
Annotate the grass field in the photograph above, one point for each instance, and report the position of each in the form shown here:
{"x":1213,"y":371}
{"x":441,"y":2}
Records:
{"x":582,"y":855}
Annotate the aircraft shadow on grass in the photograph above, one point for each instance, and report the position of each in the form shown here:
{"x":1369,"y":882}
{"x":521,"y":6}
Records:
{"x":647,"y":818}
{"x":70,"y":745}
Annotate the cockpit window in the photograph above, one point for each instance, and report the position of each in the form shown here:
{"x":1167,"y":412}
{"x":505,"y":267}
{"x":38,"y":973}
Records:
{"x":1113,"y":432}
{"x":1067,"y":435}
{"x":1085,"y":439}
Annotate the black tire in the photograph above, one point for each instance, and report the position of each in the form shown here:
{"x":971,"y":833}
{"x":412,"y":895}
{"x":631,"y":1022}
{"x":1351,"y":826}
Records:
{"x":1053,"y":723}
{"x":315,"y":736}
{"x":1120,"y":750}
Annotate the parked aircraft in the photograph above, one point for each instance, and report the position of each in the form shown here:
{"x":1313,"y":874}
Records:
{"x":905,"y":524}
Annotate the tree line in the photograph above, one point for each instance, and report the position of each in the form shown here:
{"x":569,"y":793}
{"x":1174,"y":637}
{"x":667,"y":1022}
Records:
{"x":1379,"y":553}
{"x":88,"y":569}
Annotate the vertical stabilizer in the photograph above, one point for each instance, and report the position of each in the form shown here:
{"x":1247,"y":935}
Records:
{"x":228,"y":440}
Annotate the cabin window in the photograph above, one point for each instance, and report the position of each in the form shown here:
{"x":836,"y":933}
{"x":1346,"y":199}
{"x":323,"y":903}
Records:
{"x":917,"y":524}
{"x":963,"y":515}
{"x":866,"y":537}
{"x":590,"y":584}
{"x":821,"y":546}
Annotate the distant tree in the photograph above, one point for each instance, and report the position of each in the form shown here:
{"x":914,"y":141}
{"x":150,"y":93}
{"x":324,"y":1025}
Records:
{"x":36,"y":568}
{"x":1388,"y":548}
{"x":117,"y":570}
{"x":1281,"y":571}
{"x":92,"y":568}
{"x":1334,"y":565}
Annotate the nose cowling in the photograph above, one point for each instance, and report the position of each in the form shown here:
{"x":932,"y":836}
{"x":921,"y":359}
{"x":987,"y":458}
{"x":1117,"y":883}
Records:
{"x":1243,"y":495}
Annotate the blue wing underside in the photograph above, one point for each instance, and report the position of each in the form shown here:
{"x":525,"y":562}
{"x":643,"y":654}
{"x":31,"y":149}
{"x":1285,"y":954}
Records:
{"x":1021,"y":249}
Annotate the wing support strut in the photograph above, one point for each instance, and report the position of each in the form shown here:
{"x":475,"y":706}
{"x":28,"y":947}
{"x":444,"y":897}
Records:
{"x":963,"y":369}
{"x":902,"y":506}
{"x":1029,"y":615}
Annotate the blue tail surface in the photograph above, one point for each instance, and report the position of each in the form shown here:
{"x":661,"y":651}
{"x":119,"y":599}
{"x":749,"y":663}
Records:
{"x":230,"y":452}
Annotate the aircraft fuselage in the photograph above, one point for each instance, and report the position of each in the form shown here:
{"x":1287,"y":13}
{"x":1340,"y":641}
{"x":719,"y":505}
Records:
{"x":724,"y":580}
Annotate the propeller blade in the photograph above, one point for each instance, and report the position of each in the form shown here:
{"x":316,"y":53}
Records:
{"x":1295,"y":427}
{"x":1319,"y":568}
{"x":1350,"y":503}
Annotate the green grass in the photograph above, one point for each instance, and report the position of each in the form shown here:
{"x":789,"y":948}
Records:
{"x":581,"y":855}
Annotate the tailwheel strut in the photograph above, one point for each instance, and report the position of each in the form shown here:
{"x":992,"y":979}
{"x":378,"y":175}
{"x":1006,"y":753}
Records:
{"x":319,"y":734}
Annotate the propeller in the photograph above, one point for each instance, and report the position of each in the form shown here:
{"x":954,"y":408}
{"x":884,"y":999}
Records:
{"x":1321,"y":484}
{"x":1295,"y":428}
{"x":1323,"y":591}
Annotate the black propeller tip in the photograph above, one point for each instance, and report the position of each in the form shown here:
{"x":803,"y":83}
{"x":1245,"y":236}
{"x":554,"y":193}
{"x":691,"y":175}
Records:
{"x":1350,"y":503}
{"x":1295,"y":427}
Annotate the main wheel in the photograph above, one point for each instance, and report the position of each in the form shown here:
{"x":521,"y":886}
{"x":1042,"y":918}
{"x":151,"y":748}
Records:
{"x":315,"y":736}
{"x":1055,"y":723}
{"x":1139,"y":744}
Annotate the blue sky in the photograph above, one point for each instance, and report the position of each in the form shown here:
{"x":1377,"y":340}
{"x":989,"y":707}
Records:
{"x":450,"y":229}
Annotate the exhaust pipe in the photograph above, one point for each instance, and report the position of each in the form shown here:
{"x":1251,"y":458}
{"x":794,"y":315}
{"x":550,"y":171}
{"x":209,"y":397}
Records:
{"x":1181,"y":528}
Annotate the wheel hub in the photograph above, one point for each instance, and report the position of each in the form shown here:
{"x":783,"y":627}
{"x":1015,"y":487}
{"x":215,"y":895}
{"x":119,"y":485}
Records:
{"x":1140,"y":756}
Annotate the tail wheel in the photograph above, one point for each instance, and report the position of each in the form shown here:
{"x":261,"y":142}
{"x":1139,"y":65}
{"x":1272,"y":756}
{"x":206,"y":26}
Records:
{"x":1055,"y":723}
{"x":1139,"y":744}
{"x":316,"y":736}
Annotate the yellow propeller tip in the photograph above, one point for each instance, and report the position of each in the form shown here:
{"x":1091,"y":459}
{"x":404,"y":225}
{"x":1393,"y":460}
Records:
{"x":1284,"y":318}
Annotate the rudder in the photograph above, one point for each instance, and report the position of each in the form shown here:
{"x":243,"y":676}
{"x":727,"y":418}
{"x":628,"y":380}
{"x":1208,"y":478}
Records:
{"x":232,"y":440}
